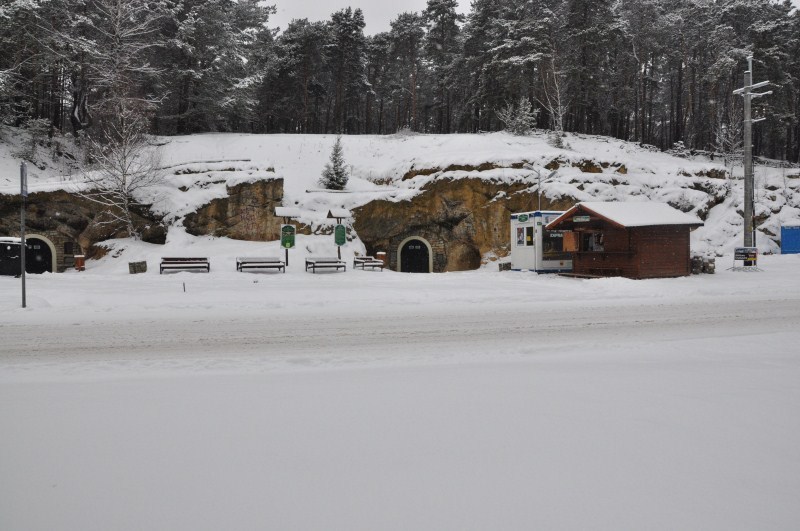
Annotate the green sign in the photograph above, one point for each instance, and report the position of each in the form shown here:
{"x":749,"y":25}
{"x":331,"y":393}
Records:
{"x":287,"y":236}
{"x":522,"y":218}
{"x":581,"y":219}
{"x":339,"y":235}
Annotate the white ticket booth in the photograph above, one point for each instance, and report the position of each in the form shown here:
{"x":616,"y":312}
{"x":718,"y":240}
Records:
{"x":535,"y":249}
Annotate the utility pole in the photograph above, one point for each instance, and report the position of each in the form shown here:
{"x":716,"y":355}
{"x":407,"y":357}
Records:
{"x":749,"y":197}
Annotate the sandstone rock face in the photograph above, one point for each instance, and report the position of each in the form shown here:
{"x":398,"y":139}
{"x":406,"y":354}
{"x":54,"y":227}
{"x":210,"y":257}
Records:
{"x":72,"y":217}
{"x":248,"y":213}
{"x":461,"y":219}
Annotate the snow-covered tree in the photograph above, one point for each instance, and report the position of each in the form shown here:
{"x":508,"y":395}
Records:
{"x":519,"y":118}
{"x":441,"y":50}
{"x":555,"y":101}
{"x":123,"y":165}
{"x":347,"y":61}
{"x":335,"y":174}
{"x":729,"y":136}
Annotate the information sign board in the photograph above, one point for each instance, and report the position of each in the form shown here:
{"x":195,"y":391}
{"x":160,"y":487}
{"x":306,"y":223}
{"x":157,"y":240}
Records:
{"x":339,"y":235}
{"x":287,"y":236}
{"x":749,"y":254}
{"x":581,"y":219}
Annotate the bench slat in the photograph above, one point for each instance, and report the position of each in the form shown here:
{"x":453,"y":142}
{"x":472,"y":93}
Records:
{"x":325,"y":263}
{"x":260,"y":262}
{"x":184,"y":262}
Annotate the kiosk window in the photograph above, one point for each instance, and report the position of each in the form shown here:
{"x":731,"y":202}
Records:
{"x":553,"y":246}
{"x":529,"y":236}
{"x":593,"y":241}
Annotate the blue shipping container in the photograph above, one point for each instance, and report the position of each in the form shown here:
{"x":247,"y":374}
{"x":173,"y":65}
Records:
{"x":790,"y":240}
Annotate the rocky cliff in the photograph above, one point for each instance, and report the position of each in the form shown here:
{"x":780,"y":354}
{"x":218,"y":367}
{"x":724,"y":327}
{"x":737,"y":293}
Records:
{"x":76,"y":218}
{"x":462,"y":219}
{"x":248,"y":213}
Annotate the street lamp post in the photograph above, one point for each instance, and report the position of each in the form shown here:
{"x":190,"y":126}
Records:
{"x":539,"y":180}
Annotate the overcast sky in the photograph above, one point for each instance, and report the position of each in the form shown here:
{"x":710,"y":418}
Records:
{"x":377,"y":13}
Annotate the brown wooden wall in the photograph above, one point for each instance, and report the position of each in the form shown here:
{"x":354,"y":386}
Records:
{"x":617,"y":259}
{"x":662,"y":251}
{"x":646,"y":252}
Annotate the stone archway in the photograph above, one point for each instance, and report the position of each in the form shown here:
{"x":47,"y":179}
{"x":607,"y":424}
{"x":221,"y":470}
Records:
{"x":415,"y":255}
{"x":44,"y":261}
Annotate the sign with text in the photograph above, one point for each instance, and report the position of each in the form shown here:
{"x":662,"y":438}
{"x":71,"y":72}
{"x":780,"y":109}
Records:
{"x":749,"y":254}
{"x":581,"y":219}
{"x":339,"y":235}
{"x":287,"y":236}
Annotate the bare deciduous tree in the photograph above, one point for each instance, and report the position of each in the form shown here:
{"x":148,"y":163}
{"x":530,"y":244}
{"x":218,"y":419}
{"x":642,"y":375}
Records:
{"x":728,"y":135}
{"x":555,"y":101}
{"x":123,"y":166}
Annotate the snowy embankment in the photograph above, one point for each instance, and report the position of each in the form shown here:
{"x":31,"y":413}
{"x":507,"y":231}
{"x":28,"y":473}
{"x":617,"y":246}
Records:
{"x":199,"y":168}
{"x":381,"y":400}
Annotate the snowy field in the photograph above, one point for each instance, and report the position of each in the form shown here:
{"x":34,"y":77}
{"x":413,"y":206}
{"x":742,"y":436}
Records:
{"x":386,"y":401}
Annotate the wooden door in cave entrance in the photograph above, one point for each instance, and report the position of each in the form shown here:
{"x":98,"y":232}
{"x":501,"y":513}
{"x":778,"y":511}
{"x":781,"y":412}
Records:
{"x":38,"y":258}
{"x":415,"y":257}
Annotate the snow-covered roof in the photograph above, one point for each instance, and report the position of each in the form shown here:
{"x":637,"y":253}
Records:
{"x":339,"y":213}
{"x":9,"y":239}
{"x":288,"y":212}
{"x":633,"y":214}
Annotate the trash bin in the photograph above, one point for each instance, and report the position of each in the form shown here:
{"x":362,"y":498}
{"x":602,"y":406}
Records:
{"x":137,"y":267}
{"x":381,"y":255}
{"x":80,"y":262}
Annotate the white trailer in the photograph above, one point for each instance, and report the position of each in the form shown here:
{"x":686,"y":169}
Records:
{"x":535,"y":249}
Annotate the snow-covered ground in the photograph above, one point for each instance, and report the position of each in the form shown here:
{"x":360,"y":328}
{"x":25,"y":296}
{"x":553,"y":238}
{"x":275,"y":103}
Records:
{"x":380,"y":400}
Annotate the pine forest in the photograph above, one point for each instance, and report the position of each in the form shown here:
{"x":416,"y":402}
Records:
{"x":658,"y":72}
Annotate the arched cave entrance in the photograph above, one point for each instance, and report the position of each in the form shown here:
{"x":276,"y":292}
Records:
{"x":415,"y":256}
{"x":40,"y":256}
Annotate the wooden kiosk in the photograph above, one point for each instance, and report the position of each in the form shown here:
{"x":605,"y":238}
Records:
{"x":632,"y":239}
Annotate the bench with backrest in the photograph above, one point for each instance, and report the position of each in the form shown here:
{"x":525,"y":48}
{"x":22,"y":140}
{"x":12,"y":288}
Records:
{"x":259,"y":262}
{"x":367,"y":261}
{"x":184,"y":263}
{"x":323,"y":262}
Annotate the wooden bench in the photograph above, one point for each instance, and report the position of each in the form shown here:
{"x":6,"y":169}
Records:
{"x":184,"y":263}
{"x":367,"y":261}
{"x":259,"y":262}
{"x":324,"y":263}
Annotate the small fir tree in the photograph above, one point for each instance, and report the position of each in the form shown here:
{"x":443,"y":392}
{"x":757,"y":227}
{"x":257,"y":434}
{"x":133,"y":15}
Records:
{"x":334,"y":176}
{"x":518,"y":118}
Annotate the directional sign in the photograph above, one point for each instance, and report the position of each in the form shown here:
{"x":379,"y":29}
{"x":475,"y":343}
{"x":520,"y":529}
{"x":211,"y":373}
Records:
{"x":339,"y":235}
{"x":287,"y":236}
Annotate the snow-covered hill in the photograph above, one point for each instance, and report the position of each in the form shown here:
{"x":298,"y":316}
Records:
{"x":397,"y":167}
